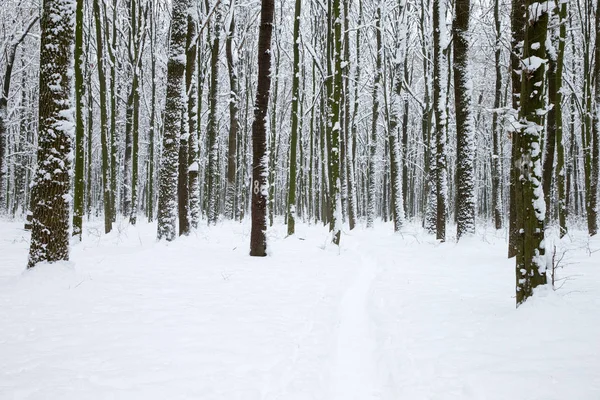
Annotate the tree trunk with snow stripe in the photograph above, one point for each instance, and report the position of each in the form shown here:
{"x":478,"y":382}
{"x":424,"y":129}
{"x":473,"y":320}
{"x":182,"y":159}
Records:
{"x":191,"y":87}
{"x":169,"y":164}
{"x":51,"y":193}
{"x":439,"y":106}
{"x":258,"y":238}
{"x":465,"y":146}
{"x":529,"y":196}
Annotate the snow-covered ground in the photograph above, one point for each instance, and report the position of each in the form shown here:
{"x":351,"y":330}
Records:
{"x":386,"y":317}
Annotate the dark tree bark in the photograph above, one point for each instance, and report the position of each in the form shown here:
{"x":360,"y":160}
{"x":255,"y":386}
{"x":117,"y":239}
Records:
{"x":106,"y":169}
{"x":258,"y":239}
{"x":348,"y":125}
{"x":139,"y":36}
{"x":560,"y":148}
{"x":152,"y":122}
{"x":193,"y":162}
{"x":213,"y":144}
{"x":397,"y":197}
{"x":183,"y":193}
{"x":233,"y":122}
{"x":51,"y":196}
{"x":78,"y":193}
{"x":291,"y":201}
{"x":496,"y":173}
{"x":375,"y":115}
{"x":551,"y":125}
{"x":517,"y":22}
{"x":530,"y":205}
{"x":441,"y":180}
{"x":595,"y":145}
{"x":465,"y":146}
{"x":335,"y":223}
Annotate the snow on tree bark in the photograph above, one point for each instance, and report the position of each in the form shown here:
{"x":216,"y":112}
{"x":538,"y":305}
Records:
{"x":78,"y":181}
{"x":291,"y":206}
{"x":212,"y":129}
{"x":260,"y":161}
{"x":234,"y":125}
{"x":107,"y":192}
{"x":496,"y":161}
{"x":183,"y":193}
{"x":465,"y":135}
{"x":439,"y":105}
{"x":51,"y":194}
{"x":371,"y":190}
{"x":518,"y":22}
{"x":595,"y":140}
{"x":529,"y":196}
{"x":169,"y":163}
{"x":397,"y":197}
{"x":335,"y":224}
{"x":191,"y":85}
{"x":560,"y":148}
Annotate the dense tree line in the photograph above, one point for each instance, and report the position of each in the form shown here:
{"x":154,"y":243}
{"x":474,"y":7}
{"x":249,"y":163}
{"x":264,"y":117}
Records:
{"x":339,"y":112}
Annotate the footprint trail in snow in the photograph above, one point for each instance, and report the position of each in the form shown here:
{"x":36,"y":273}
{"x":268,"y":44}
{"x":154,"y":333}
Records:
{"x":355,"y":373}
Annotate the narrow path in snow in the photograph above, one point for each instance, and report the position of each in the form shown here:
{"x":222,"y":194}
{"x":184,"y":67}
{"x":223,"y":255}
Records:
{"x":354,"y":374}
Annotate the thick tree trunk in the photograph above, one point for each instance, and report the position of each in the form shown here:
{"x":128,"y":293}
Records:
{"x":258,"y":238}
{"x":51,"y":198}
{"x":530,"y":205}
{"x":465,"y":135}
{"x":335,"y":224}
{"x":518,"y":22}
{"x":167,"y":192}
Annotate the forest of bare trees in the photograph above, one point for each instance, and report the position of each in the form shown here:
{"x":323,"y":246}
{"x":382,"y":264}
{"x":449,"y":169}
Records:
{"x":449,"y":114}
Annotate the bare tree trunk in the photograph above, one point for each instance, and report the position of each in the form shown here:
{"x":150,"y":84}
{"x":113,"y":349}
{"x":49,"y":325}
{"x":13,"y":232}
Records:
{"x":258,"y":238}
{"x":375,"y":115}
{"x":213,"y":145}
{"x":106,"y":169}
{"x":496,"y":173}
{"x":167,"y":192}
{"x":530,"y":205}
{"x":51,"y":198}
{"x":291,"y":206}
{"x":465,"y":134}
{"x":233,"y":119}
{"x":191,"y":85}
{"x":439,"y":104}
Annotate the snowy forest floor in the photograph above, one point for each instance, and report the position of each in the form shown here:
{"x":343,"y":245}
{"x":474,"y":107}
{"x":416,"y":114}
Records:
{"x":389,"y":316}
